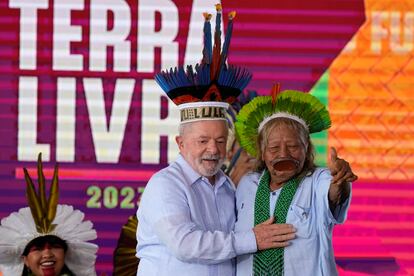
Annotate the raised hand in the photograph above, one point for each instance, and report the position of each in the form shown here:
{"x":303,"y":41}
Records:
{"x":340,"y":169}
{"x":342,"y":175}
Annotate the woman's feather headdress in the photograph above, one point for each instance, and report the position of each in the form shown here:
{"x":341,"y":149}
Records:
{"x":45,"y":216}
{"x":125,"y":261}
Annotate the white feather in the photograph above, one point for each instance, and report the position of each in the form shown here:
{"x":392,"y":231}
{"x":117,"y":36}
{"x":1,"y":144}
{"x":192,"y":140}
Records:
{"x":18,"y":229}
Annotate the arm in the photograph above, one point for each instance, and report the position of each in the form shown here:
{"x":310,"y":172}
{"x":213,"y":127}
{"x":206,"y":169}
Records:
{"x":167,"y":212}
{"x":268,"y":234}
{"x":322,"y":179}
{"x":169,"y":218}
{"x":243,"y":165}
{"x":340,"y":187}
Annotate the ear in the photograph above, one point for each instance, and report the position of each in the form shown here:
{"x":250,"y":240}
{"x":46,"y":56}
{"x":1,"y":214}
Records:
{"x":180,"y":142}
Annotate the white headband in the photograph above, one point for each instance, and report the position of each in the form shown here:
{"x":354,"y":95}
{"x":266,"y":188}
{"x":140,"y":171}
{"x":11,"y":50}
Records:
{"x":201,"y":111}
{"x":224,"y":105}
{"x":282,"y":115}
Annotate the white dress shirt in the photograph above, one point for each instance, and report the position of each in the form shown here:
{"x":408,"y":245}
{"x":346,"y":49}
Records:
{"x":185,"y":225}
{"x":311,"y":252}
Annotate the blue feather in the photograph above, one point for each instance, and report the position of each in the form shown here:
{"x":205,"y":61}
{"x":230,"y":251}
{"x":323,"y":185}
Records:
{"x":217,"y":30}
{"x":226,"y":44}
{"x":212,"y":69}
{"x":207,"y":51}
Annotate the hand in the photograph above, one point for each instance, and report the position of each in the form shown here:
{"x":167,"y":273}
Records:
{"x":342,"y":175}
{"x":340,"y":170}
{"x":270,"y":235}
{"x":244,"y":165}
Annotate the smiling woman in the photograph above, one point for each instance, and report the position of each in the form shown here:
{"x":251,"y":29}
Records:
{"x":45,"y":256}
{"x":46,"y":239}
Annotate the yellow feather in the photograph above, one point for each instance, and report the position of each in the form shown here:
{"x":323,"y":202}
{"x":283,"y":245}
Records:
{"x":54,"y":196}
{"x":41,"y":182}
{"x":32,"y":199}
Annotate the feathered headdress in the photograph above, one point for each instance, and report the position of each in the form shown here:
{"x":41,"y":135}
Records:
{"x":125,"y":261}
{"x":232,"y":111}
{"x":204,"y":91}
{"x":301,"y":107}
{"x":45,"y":217}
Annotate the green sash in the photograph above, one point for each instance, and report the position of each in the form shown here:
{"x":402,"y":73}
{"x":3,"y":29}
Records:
{"x":270,"y":262}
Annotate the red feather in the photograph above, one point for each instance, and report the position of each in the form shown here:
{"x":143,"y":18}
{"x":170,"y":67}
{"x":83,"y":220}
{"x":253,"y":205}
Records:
{"x":275,"y":92}
{"x":216,"y":59}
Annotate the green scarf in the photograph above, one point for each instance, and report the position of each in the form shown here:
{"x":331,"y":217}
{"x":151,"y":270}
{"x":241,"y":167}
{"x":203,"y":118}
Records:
{"x":270,"y":262}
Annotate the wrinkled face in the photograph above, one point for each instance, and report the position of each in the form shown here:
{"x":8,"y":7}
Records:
{"x":284,"y":154}
{"x":203,"y":145}
{"x":46,"y":261}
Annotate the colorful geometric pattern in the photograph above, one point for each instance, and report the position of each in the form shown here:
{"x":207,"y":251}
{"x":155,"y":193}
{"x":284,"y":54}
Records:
{"x":371,"y":94}
{"x":372,"y":108}
{"x":292,"y":42}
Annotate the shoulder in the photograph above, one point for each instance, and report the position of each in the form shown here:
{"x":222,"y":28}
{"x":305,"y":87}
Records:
{"x":318,"y":181}
{"x":248,"y":182}
{"x":319,"y":174}
{"x":322,"y":172}
{"x":165,"y":185}
{"x":170,"y":177}
{"x":229,"y":181}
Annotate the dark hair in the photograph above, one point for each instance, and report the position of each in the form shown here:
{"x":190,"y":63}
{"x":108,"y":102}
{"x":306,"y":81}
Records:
{"x":43,"y":240}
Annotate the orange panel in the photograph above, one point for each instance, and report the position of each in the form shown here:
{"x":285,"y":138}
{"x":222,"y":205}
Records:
{"x":371,"y":94}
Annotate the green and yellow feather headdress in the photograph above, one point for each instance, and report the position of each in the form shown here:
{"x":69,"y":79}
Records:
{"x":304,"y":108}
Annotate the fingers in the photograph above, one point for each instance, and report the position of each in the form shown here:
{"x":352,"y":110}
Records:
{"x":353,"y":178}
{"x":341,"y":167}
{"x":344,"y":174}
{"x":282,"y":238}
{"x":280,"y":229}
{"x":347,"y":178}
{"x":268,"y":243}
{"x":273,"y":235}
{"x":244,"y":165}
{"x":269,"y":221}
{"x":332,"y":162}
{"x":334,"y":154}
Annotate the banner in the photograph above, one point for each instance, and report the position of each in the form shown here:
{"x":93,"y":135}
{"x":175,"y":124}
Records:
{"x":77,"y":85}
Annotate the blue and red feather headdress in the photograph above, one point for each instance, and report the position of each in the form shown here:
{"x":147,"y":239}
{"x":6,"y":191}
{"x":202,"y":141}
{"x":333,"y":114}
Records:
{"x":210,"y":83}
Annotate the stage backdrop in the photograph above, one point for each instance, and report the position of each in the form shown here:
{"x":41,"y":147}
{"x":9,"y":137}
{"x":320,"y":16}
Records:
{"x":77,"y":84}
